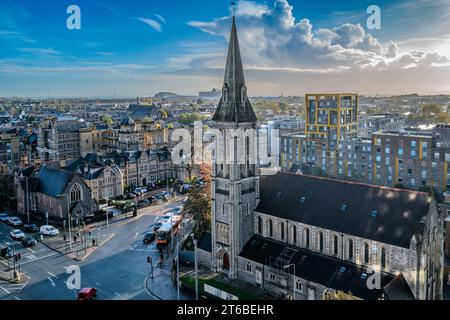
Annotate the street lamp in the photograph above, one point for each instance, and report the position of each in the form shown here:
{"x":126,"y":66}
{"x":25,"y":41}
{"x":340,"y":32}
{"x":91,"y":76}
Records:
{"x":178,"y":267}
{"x":196,"y":267}
{"x":69,"y":218}
{"x":291,"y":265}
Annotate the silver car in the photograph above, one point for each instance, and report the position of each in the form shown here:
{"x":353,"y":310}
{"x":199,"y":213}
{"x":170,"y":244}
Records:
{"x":4,"y":217}
{"x":15,"y":222}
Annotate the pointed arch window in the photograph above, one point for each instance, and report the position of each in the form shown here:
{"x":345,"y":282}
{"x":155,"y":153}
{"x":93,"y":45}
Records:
{"x":270,"y":226}
{"x":260,"y":225}
{"x":383,"y":258}
{"x":335,"y":245}
{"x":294,"y":234}
{"x":75,"y":193}
{"x":366,"y":253}
{"x":320,"y":241}
{"x":350,"y":249}
{"x":307,"y":237}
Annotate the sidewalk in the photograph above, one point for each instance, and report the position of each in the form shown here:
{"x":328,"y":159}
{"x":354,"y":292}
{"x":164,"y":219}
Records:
{"x":162,"y":285}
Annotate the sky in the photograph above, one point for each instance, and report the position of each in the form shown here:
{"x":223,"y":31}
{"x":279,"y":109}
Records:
{"x":290,"y":47}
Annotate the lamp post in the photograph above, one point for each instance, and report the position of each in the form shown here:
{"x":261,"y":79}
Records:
{"x":196,"y":266}
{"x":178,"y":268}
{"x":287,"y":266}
{"x":69,"y":218}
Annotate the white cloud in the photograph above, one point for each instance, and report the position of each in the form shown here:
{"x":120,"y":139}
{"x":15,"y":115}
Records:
{"x":160,"y":17}
{"x":271,"y":38}
{"x":152,"y":23}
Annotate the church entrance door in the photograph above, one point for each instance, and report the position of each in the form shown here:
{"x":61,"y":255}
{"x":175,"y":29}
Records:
{"x":226,"y":262}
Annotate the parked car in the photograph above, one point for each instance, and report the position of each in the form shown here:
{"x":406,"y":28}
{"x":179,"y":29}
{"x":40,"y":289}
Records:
{"x":157,"y":226}
{"x":48,"y":230}
{"x":29,"y":242}
{"x":149,"y":237}
{"x":138,"y":191}
{"x":87,"y":294}
{"x":6,"y":253}
{"x":143,"y":203}
{"x":4,"y":217}
{"x":177,"y":210}
{"x":30,"y":228}
{"x":166,"y":194}
{"x":17,"y":234}
{"x":15,"y":222}
{"x":131,"y":195}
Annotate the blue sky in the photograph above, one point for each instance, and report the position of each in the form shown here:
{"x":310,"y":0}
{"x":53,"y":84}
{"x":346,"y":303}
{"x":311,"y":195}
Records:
{"x":131,"y":48}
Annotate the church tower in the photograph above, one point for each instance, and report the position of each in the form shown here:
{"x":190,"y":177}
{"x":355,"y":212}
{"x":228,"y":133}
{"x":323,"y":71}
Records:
{"x":235,"y":181}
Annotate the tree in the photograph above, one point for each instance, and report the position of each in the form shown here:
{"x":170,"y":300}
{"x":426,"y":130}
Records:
{"x":164,"y":114}
{"x":199,"y":204}
{"x":431,"y":108}
{"x":106,"y":119}
{"x":190,"y":118}
{"x":442,"y":117}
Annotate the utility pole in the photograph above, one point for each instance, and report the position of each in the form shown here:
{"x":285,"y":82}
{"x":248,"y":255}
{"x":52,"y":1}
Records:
{"x":28,"y":200}
{"x":288,"y":266}
{"x":196,"y":266}
{"x":178,"y":269}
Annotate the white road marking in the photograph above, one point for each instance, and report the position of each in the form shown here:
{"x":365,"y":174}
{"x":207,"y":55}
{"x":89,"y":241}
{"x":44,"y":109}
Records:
{"x":5,"y":290}
{"x":51,"y":274}
{"x":43,"y":257}
{"x":97,"y":283}
{"x":51,"y":282}
{"x":117,"y":294}
{"x":137,"y":233}
{"x":31,"y":250}
{"x":16,"y":298}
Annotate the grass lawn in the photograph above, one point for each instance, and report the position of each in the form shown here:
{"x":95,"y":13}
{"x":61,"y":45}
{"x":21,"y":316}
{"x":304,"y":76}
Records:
{"x":242,"y":295}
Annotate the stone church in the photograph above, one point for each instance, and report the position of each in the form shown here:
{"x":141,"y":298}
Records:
{"x":301,"y":237}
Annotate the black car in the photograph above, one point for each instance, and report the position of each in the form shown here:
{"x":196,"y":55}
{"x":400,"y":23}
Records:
{"x":157,"y":226}
{"x":149,"y":237}
{"x":31,"y":228}
{"x":6,"y":253}
{"x":29,"y":242}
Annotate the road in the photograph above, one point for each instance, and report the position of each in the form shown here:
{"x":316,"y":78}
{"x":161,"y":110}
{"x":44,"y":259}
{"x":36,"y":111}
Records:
{"x":117,"y":269}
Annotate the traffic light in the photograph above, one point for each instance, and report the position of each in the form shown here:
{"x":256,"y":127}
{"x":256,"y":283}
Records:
{"x":149,"y":259}
{"x":17,"y":257}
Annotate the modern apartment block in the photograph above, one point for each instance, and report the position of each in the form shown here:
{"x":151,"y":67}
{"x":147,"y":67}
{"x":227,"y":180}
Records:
{"x":412,"y":158}
{"x":402,"y":158}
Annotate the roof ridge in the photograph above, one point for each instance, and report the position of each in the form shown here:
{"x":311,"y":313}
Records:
{"x":375,"y":186}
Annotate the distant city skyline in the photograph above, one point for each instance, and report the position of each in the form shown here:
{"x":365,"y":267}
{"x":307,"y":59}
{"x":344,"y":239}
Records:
{"x":138,"y":48}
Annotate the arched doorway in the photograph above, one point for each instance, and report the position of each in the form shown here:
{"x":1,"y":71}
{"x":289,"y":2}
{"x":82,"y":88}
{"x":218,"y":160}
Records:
{"x":225,"y":261}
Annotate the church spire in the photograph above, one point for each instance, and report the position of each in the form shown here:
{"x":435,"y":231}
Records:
{"x":234,"y":105}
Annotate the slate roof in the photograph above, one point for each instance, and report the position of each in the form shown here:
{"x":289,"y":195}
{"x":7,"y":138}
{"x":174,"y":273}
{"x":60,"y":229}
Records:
{"x":398,"y":289}
{"x":88,"y":171}
{"x":398,"y":212}
{"x":325,"y":270}
{"x":234,"y":109}
{"x":53,"y":181}
{"x":205,"y":242}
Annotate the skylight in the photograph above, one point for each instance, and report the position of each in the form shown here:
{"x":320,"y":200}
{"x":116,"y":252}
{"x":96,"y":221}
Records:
{"x":363,"y":276}
{"x":374,"y":213}
{"x":344,"y":208}
{"x":342,"y":269}
{"x":302,"y":199}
